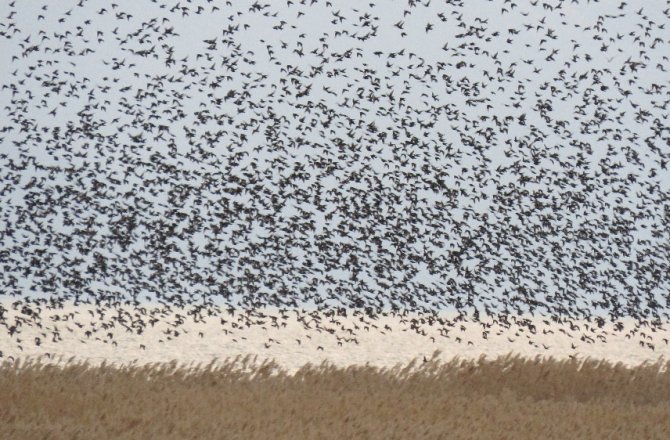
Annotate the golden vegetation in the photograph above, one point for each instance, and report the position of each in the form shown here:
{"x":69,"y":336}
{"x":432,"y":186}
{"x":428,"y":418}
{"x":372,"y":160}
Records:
{"x":509,"y":398}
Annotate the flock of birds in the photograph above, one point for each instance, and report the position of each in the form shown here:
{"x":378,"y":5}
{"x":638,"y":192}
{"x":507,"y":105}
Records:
{"x":498,"y":158}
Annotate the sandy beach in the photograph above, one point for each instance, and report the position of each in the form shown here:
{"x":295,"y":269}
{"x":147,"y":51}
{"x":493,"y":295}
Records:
{"x":293,"y":340}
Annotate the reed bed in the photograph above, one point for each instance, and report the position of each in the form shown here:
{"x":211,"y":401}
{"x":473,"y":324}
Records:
{"x":507,"y":398}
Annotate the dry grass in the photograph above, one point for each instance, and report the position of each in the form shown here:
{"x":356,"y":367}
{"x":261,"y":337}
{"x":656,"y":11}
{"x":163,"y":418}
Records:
{"x":510,"y":398}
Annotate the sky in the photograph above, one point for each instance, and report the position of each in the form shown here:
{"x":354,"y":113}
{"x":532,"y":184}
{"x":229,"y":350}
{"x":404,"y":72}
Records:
{"x":481,"y":62}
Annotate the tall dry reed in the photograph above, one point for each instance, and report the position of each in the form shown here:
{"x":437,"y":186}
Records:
{"x":509,"y":398}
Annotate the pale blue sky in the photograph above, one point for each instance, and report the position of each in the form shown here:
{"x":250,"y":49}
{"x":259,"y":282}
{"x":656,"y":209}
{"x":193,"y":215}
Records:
{"x":127,"y":28}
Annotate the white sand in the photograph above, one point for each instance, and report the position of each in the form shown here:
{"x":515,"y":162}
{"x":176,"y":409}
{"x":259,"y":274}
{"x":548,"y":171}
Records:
{"x":377,"y":346}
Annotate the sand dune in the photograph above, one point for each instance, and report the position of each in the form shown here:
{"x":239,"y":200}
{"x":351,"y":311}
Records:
{"x":356,"y":340}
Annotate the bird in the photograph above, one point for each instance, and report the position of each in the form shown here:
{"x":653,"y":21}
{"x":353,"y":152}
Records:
{"x":404,"y":158}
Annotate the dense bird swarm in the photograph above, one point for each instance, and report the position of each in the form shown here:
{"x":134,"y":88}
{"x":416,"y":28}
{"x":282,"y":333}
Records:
{"x":498,"y":158}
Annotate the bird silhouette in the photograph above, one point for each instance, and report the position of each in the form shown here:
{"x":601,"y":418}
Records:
{"x":382,"y":158}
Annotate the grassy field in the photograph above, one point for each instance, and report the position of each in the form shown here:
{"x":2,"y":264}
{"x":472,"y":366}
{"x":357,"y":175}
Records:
{"x":510,"y":398}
